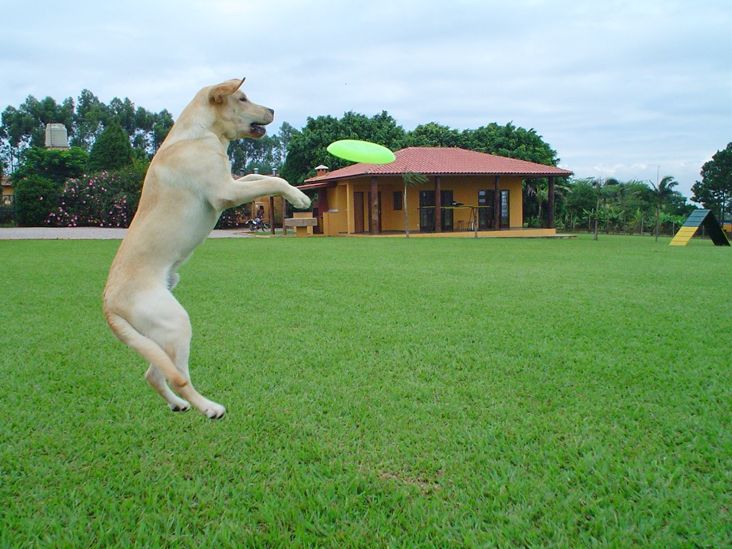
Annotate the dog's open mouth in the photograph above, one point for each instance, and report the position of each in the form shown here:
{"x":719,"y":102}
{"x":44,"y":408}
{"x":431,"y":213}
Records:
{"x":257,"y":130}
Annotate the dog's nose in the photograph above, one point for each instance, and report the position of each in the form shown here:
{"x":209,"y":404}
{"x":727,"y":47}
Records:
{"x":271,"y":111}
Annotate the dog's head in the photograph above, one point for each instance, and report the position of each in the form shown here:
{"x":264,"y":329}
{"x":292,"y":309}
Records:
{"x":236,"y":116}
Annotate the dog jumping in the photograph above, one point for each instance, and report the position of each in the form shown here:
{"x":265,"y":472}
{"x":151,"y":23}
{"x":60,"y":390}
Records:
{"x":188,"y":185}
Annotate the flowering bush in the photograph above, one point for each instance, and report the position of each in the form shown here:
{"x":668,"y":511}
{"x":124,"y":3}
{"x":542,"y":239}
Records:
{"x":104,"y":199}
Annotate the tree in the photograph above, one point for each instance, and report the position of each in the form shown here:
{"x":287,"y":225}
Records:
{"x":510,"y":141}
{"x":603,"y":188}
{"x":714,"y":191}
{"x":162,"y":122}
{"x":662,"y":193}
{"x":580,"y":199}
{"x":89,"y":117}
{"x":433,"y":135}
{"x":248,"y":155}
{"x":538,"y":189}
{"x":112,"y":150}
{"x":84,"y":119}
{"x":26,"y":126}
{"x":307,"y":147}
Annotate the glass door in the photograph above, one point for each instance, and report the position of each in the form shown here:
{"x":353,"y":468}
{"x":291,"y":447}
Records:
{"x":505,"y":210}
{"x":427,"y":211}
{"x":446,"y":214}
{"x":486,"y":209}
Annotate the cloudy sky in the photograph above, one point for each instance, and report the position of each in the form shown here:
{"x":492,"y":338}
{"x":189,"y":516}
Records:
{"x":618,"y":88}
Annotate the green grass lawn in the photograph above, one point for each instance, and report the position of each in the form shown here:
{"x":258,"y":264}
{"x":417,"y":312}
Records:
{"x":421,"y":392}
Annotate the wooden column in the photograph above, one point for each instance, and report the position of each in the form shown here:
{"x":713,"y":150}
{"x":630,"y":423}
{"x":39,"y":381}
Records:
{"x":438,"y":204}
{"x":271,"y":214}
{"x":284,"y":215}
{"x":496,"y":203}
{"x":374,"y":206}
{"x":550,"y":205}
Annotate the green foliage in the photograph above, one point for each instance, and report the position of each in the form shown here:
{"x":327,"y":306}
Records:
{"x":54,"y":164}
{"x":35,"y":197}
{"x":307,"y":148}
{"x":714,"y":191}
{"x":7,"y":215}
{"x":233,"y":217}
{"x":620,"y":207}
{"x":581,"y":197}
{"x":661,"y":194}
{"x":103,"y":199}
{"x":433,"y":135}
{"x":26,"y":125}
{"x":510,"y":141}
{"x":111,"y":150}
{"x":84,"y":119}
{"x":263,"y":155}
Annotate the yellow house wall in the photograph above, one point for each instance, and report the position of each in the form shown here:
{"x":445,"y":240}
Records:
{"x":335,"y":220}
{"x":465,"y":190}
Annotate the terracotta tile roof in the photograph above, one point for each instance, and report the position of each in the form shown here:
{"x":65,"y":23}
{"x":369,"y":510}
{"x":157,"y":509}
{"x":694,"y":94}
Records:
{"x":444,"y":161}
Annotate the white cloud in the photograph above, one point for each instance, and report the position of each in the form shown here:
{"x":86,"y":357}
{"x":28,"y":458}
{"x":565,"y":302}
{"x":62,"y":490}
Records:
{"x":616,"y":87}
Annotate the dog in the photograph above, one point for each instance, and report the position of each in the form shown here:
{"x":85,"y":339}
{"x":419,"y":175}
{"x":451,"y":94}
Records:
{"x":187,"y":186}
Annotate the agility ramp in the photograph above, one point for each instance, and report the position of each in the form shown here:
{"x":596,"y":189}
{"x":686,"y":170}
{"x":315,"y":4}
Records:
{"x":698,"y":219}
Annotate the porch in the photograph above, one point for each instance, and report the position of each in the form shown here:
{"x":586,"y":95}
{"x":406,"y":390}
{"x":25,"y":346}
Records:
{"x":503,"y":233}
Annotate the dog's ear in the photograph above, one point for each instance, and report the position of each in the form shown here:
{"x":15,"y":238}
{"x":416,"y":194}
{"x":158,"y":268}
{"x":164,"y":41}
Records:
{"x":218,"y":92}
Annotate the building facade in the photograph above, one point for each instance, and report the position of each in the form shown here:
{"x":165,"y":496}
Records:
{"x":454,"y":190}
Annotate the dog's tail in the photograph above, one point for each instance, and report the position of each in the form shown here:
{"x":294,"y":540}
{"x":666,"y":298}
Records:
{"x":150,"y":351}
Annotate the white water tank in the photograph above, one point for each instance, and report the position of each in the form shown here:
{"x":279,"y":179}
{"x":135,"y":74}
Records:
{"x":56,"y":136}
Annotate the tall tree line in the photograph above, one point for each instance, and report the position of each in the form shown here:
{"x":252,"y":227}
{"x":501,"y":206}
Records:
{"x":85,"y":119}
{"x":598,"y":205}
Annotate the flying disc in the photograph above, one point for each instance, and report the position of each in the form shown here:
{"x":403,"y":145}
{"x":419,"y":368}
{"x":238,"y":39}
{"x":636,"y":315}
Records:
{"x":361,"y":151}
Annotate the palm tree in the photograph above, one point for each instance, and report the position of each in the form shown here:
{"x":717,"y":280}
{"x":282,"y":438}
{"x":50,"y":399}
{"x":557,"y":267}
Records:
{"x":540,"y":190}
{"x":661,"y":192}
{"x":602,"y":190}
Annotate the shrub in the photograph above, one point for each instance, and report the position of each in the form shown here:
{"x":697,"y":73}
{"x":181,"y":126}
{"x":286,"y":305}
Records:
{"x":56,"y":165}
{"x":35,"y":197}
{"x":7,"y":215}
{"x":111,"y":150}
{"x":105,"y":199}
{"x":233,"y":217}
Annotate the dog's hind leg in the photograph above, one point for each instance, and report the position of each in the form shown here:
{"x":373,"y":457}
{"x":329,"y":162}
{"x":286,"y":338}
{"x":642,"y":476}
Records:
{"x":167,"y":324}
{"x":157,"y":382}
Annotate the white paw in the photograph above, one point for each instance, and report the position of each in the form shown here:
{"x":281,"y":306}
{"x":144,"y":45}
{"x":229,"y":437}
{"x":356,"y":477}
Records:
{"x":300,"y":200}
{"x":179,"y":405}
{"x":214,"y":411}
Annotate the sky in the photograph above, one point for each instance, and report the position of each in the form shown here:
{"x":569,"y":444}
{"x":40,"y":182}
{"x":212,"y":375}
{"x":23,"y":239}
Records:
{"x":619,"y":89}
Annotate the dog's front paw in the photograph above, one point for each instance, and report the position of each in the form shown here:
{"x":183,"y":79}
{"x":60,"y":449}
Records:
{"x":181,"y":406}
{"x":300,"y":200}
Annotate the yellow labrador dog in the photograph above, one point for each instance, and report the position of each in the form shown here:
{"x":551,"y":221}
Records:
{"x":187,"y":186}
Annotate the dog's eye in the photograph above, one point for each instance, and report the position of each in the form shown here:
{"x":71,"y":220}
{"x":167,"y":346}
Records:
{"x":243,"y":98}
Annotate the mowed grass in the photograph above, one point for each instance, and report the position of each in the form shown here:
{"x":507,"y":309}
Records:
{"x":380,"y":392}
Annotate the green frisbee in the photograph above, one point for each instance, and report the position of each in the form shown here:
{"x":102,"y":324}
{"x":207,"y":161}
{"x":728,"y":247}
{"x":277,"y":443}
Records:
{"x":361,"y":151}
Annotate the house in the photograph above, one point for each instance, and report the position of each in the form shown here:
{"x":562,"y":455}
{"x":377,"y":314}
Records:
{"x":463,"y":188}
{"x":6,"y":191}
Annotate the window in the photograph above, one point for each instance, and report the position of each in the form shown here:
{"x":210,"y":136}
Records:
{"x":398,"y":200}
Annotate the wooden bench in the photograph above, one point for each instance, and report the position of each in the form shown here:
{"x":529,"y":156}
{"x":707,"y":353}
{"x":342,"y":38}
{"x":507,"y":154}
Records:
{"x":301,"y":224}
